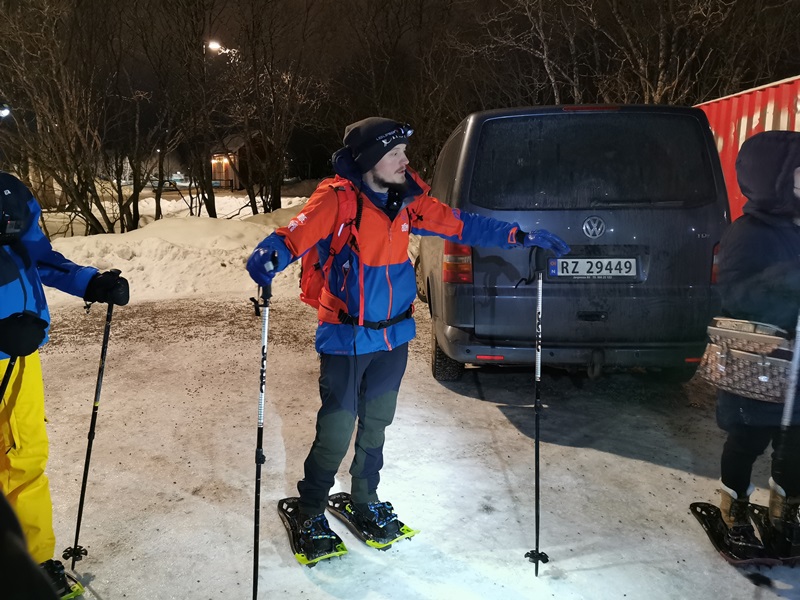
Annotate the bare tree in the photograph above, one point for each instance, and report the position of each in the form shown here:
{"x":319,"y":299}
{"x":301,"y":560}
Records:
{"x":193,"y":87}
{"x":276,"y":86}
{"x":52,"y":78}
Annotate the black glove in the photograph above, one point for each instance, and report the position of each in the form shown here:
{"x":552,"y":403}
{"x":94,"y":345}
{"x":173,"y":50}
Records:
{"x":108,"y":287}
{"x":21,"y":333}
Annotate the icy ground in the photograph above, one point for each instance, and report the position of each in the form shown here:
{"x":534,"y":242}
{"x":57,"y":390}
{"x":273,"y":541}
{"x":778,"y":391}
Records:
{"x":169,"y":507}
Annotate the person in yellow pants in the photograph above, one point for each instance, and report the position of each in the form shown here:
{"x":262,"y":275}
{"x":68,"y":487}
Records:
{"x":27,"y":261}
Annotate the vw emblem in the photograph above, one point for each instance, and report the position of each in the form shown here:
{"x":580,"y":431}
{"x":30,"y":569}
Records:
{"x":594,"y":227}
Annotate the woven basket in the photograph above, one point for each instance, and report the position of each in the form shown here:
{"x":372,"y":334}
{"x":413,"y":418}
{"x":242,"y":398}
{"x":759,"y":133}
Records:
{"x":748,"y":359}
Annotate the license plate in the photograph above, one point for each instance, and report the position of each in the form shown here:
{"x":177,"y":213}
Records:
{"x":592,"y":268}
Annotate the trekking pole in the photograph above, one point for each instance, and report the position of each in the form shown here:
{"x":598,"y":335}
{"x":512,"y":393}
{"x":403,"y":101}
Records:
{"x":77,"y":552}
{"x":262,"y":309}
{"x":791,"y":388}
{"x":535,"y":556}
{"x":7,"y":377}
{"x":786,"y":417}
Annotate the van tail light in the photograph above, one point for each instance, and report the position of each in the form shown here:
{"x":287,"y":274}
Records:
{"x":714,"y":264}
{"x":456,"y":263}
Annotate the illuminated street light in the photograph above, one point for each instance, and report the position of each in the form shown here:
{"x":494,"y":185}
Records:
{"x":4,"y":111}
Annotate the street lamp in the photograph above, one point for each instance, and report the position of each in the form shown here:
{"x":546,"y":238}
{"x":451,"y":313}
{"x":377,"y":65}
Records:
{"x":211,"y":45}
{"x":4,"y":111}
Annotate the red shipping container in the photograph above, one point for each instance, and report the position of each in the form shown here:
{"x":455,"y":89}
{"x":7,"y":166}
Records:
{"x":736,"y":117}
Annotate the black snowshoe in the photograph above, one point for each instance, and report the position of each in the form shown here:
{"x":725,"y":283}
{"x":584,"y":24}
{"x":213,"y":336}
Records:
{"x":64,"y":584}
{"x":378,"y":526}
{"x":311,"y":538}
{"x":783,"y":544}
{"x":738,"y":546}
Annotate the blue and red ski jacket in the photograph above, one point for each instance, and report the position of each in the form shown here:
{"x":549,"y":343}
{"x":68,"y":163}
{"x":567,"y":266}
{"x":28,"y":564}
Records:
{"x":375,"y":282}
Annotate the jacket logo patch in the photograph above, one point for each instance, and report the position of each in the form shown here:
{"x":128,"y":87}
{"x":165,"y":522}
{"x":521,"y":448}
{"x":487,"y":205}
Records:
{"x":298,"y":220}
{"x":404,"y":227}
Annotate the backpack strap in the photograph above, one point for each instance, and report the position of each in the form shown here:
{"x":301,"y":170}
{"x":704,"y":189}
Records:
{"x":348,"y":215}
{"x":351,"y":205}
{"x":348,"y":218}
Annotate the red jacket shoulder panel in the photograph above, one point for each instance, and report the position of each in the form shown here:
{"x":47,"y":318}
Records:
{"x":316,"y":219}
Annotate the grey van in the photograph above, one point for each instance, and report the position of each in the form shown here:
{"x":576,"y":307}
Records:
{"x":636,"y":191}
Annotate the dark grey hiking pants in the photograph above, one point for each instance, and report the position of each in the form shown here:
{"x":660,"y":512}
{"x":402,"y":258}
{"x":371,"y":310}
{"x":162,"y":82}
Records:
{"x":360,"y":389}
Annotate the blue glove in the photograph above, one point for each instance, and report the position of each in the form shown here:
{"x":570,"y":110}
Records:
{"x":261,"y":266}
{"x":541,"y":238}
{"x":269,"y":257}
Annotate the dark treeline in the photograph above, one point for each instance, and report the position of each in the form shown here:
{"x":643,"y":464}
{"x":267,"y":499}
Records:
{"x":103,"y":90}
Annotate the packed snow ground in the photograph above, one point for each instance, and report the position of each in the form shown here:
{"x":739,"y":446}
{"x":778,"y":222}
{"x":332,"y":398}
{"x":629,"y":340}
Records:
{"x":170,"y":501}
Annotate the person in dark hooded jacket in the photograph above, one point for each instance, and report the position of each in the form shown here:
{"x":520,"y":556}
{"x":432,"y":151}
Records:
{"x":365,"y":309}
{"x":759,"y":280}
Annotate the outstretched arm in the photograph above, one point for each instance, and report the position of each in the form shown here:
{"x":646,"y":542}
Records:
{"x":432,"y":217}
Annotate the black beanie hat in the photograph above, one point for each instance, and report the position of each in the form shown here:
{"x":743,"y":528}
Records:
{"x":371,"y":138}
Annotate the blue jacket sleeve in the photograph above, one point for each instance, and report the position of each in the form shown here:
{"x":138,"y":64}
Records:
{"x":485,"y":231}
{"x":429,"y":216}
{"x":54,"y":269}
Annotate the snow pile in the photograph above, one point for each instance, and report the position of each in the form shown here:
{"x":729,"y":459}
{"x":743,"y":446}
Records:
{"x":182,"y":256}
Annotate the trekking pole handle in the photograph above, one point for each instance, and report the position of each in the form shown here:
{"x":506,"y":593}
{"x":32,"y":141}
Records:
{"x":265,"y":293}
{"x":539,"y":260}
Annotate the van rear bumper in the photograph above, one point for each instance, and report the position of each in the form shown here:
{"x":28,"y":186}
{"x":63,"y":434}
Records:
{"x":463,"y":347}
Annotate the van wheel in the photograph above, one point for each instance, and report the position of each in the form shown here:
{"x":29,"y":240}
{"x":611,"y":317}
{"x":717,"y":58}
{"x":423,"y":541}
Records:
{"x":443,"y":367}
{"x":421,"y":291}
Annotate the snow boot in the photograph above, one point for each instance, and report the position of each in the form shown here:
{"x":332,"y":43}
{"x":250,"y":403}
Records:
{"x":377,"y":520}
{"x":65,"y":586}
{"x":315,"y":536}
{"x":785,"y":520}
{"x":740,"y":536}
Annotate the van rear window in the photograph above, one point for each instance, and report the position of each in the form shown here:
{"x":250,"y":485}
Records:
{"x":586,"y":160}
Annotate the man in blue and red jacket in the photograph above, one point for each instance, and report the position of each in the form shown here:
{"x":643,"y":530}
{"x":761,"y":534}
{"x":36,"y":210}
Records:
{"x":365,"y":320}
{"x":27,"y":260}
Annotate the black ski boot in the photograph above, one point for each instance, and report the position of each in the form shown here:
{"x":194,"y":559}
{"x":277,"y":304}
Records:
{"x":377,"y":520}
{"x":376,"y":524}
{"x":315,"y":536}
{"x":311,"y":537}
{"x":65,"y":586}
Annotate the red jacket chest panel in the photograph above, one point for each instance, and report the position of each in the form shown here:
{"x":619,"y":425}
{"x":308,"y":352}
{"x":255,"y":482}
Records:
{"x":380,"y":241}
